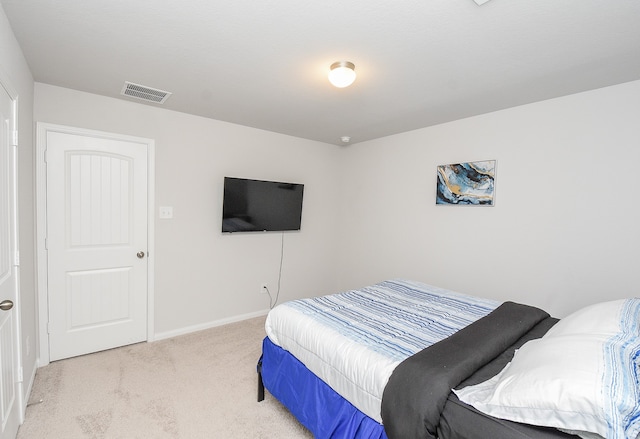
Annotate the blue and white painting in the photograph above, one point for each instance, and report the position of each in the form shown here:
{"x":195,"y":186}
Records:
{"x":466,"y":183}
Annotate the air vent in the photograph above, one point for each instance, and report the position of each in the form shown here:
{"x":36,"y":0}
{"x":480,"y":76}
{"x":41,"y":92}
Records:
{"x":145,"y":93}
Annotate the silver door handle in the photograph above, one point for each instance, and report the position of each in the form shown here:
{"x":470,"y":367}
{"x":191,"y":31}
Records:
{"x":140,"y":255}
{"x":6,"y":305}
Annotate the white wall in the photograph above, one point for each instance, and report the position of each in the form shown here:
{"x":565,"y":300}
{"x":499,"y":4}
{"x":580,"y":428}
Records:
{"x":561,"y":235}
{"x":202,"y":276}
{"x":564,"y":231}
{"x":15,"y":67}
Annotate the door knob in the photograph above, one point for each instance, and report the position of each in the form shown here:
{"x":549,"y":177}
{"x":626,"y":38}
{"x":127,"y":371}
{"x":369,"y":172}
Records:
{"x":6,"y":305}
{"x":140,"y":255}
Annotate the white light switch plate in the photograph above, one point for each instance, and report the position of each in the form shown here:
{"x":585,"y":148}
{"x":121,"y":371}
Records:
{"x":166,"y":212}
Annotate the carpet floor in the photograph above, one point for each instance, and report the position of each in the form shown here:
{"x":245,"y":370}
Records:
{"x":200,"y":385}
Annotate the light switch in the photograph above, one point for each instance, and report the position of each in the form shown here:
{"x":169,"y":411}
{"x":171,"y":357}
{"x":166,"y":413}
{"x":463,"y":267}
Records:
{"x":166,"y":212}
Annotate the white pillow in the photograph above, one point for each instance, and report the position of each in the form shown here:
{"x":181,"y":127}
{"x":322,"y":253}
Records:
{"x":601,"y":318}
{"x":583,"y":375}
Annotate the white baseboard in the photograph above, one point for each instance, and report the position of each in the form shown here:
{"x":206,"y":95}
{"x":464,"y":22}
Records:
{"x":208,"y":325}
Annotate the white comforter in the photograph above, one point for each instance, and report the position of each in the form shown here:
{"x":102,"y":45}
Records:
{"x":354,"y":340}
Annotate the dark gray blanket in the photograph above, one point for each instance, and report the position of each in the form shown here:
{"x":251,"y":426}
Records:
{"x":419,"y":387}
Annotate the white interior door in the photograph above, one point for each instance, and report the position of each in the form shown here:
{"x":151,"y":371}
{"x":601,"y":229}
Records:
{"x":9,"y":385}
{"x":96,"y":243}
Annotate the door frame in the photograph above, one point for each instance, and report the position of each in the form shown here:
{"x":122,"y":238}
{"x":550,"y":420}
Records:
{"x":42,"y":129}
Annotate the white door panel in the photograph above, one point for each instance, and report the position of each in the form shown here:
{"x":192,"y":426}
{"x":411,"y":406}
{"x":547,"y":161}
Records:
{"x":96,"y":225}
{"x":9,"y":386}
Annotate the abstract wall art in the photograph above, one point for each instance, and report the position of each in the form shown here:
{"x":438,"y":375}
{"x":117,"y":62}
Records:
{"x":471,"y":183}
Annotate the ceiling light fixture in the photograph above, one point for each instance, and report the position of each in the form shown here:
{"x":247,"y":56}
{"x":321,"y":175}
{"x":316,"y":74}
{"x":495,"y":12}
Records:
{"x":342,"y":74}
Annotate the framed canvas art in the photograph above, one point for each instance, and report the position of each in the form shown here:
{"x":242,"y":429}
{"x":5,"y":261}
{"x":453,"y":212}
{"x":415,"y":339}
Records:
{"x":470,"y":183}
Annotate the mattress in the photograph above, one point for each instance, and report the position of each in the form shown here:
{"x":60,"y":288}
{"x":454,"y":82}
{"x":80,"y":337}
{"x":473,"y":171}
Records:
{"x":354,"y":340}
{"x":327,"y":415}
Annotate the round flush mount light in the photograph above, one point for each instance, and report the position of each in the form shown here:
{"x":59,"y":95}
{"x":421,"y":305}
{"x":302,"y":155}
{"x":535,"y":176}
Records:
{"x":342,"y":74}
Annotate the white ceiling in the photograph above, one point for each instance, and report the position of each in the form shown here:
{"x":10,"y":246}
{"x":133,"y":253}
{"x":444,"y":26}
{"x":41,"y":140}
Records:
{"x":264,"y":63}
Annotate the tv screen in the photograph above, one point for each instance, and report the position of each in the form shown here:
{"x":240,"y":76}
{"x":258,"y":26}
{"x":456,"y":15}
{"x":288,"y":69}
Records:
{"x":261,"y":206}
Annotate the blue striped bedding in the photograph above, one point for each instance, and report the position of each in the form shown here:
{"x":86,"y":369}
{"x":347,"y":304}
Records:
{"x":353,"y":340}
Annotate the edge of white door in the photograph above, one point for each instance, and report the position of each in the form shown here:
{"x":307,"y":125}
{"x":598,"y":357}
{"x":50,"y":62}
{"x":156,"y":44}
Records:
{"x":42,"y":129}
{"x":19,"y":403}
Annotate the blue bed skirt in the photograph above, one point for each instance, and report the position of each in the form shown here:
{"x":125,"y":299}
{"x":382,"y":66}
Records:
{"x":316,"y":405}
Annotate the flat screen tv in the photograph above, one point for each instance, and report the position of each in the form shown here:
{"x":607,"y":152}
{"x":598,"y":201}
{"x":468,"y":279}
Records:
{"x":261,"y":206}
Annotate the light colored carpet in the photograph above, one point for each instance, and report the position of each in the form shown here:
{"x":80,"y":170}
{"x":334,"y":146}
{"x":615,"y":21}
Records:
{"x":200,"y":385}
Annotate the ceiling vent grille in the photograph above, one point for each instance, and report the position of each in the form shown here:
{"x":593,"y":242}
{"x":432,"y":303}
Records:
{"x":145,"y":93}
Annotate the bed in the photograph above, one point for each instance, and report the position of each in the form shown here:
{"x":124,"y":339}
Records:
{"x":381,"y":362}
